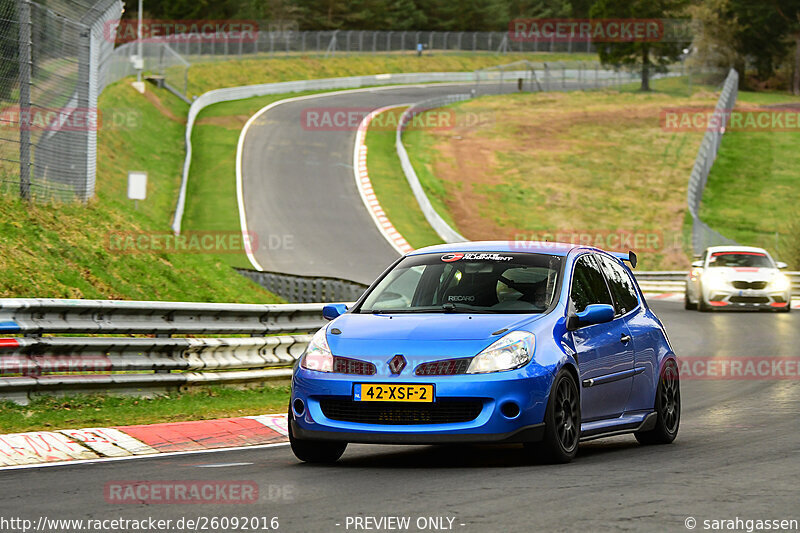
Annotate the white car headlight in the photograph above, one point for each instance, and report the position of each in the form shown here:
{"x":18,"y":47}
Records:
{"x":318,"y":355}
{"x":780,"y":282}
{"x":510,"y":352}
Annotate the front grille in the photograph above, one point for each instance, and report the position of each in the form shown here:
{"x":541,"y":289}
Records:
{"x":343,"y":365}
{"x":448,"y":367}
{"x":749,"y":299}
{"x":443,"y":412}
{"x":758,"y":285}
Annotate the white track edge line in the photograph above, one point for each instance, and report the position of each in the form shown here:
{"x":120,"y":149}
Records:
{"x":240,"y":149}
{"x":361,"y":137}
{"x":146,"y":456}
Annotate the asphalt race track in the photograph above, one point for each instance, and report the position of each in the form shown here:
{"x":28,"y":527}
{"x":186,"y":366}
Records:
{"x":736,"y":456}
{"x":300,"y":195}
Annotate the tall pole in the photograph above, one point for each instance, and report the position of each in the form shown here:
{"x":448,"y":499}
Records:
{"x":25,"y":99}
{"x":139,"y":41}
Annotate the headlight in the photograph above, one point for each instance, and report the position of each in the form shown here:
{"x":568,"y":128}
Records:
{"x":715,"y":280}
{"x":508,"y":353}
{"x":318,"y":355}
{"x":780,"y":282}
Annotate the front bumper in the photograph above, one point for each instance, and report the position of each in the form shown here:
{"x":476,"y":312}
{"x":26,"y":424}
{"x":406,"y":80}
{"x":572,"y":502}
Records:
{"x":731,"y":298}
{"x":527,"y":389}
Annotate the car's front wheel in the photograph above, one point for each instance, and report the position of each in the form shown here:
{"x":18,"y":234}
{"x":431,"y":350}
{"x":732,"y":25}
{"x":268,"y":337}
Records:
{"x":667,"y":406}
{"x":687,"y":304}
{"x":315,"y":451}
{"x":702,"y":306}
{"x":562,"y":422}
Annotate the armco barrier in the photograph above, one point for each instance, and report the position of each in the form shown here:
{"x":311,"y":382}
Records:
{"x":305,"y":289}
{"x":32,"y":363}
{"x":442,"y":228}
{"x":675,"y":281}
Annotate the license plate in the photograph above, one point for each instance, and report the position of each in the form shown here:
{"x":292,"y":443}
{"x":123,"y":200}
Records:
{"x":390,"y":392}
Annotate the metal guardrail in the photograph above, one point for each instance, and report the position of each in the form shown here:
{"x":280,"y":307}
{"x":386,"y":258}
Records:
{"x":439,"y":225}
{"x":33,"y":361}
{"x":306,"y":289}
{"x":675,"y":281}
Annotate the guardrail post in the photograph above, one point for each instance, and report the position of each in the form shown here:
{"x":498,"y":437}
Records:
{"x":25,"y":66}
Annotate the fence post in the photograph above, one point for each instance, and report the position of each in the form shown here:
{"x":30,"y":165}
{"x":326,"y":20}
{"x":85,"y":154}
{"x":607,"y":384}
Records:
{"x":85,"y":78}
{"x":24,"y":99}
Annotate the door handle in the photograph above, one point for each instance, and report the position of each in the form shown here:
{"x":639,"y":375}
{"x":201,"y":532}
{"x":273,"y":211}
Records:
{"x":624,"y":339}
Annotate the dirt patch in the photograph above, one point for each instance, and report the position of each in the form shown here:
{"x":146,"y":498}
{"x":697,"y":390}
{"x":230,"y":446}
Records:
{"x":164,"y":110}
{"x":467,"y":160}
{"x":233,"y":122}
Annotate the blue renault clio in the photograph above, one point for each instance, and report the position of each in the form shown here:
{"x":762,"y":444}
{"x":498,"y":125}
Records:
{"x":538,"y":343}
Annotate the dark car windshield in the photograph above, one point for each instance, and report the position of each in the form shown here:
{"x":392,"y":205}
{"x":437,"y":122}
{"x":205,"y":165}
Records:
{"x":740,"y":259}
{"x":473,"y":282}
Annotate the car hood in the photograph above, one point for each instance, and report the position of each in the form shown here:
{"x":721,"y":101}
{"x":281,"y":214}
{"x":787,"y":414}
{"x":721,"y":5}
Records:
{"x":745,"y":273}
{"x":439,"y":334}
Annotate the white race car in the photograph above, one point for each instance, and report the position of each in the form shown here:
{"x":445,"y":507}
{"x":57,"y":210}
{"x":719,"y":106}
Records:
{"x":737,"y":277}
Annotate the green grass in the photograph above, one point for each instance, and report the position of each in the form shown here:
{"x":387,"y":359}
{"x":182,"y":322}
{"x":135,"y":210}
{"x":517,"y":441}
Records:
{"x":753,"y":190}
{"x":204,"y":76}
{"x":52,"y":250}
{"x":51,"y":413}
{"x":211,"y":203}
{"x":561,"y":162}
{"x":391,"y":186}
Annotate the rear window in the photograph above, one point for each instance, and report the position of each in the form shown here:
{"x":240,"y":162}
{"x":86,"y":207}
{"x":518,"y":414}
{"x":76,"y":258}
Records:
{"x":473,"y":282}
{"x":740,"y":259}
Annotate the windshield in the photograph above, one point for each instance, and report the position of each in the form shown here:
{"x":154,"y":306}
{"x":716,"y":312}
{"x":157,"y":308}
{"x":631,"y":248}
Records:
{"x":477,"y":282}
{"x":740,"y":259}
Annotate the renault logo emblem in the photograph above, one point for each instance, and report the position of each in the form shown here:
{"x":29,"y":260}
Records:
{"x":397,"y":364}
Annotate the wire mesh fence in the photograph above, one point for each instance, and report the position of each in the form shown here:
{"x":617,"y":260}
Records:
{"x":354,"y":41}
{"x":702,"y":235}
{"x":52,"y":61}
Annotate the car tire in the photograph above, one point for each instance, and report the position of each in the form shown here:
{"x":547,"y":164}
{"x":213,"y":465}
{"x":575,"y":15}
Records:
{"x":315,"y":451}
{"x":667,"y":408}
{"x":702,"y":306}
{"x":562,"y":420}
{"x":688,"y":305}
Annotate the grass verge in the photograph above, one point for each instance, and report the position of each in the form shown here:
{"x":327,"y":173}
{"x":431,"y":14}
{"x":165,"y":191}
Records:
{"x":753,"y":192}
{"x":211,"y":203}
{"x":50,"y":413}
{"x":390,"y":184}
{"x":71,"y":250}
{"x":591,"y":164}
{"x":204,"y":76}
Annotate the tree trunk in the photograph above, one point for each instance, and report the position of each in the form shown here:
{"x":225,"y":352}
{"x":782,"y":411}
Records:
{"x":796,"y":80}
{"x":645,"y":68}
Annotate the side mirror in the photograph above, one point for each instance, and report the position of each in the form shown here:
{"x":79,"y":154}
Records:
{"x":332,"y":311}
{"x":781,"y":264}
{"x":593,"y":314}
{"x":697,"y":264}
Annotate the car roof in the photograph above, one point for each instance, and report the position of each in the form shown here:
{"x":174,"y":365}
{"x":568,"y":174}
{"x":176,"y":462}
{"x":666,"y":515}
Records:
{"x":530,"y":247}
{"x":733,"y":248}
